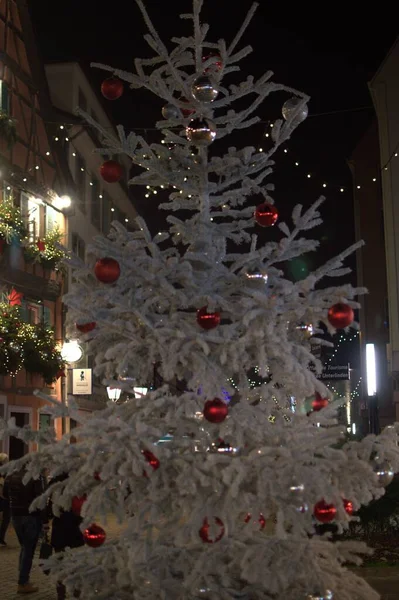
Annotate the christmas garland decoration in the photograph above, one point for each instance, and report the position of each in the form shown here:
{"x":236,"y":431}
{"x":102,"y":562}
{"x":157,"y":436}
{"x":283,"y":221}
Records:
{"x":47,"y":251}
{"x":12,"y":227}
{"x":26,"y":346}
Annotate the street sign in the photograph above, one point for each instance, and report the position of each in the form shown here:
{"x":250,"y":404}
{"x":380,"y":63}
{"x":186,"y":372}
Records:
{"x":81,"y":381}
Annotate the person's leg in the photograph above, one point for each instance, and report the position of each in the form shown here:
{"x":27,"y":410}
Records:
{"x":4,"y":523}
{"x":31,"y":532}
{"x":18,"y":524}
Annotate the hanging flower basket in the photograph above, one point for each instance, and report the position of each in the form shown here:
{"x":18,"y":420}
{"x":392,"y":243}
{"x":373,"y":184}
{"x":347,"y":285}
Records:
{"x":8,"y":129}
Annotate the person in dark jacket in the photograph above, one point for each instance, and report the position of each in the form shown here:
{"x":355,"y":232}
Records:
{"x":4,"y":505}
{"x":66,"y":533}
{"x":27,"y":525}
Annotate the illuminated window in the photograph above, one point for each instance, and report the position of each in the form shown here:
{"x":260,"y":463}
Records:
{"x":31,"y":211}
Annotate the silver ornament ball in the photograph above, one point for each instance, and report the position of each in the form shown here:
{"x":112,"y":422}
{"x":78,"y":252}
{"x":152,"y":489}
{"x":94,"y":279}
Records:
{"x":170,"y":111}
{"x":290,"y":107}
{"x":296,"y":497}
{"x":327,"y":595}
{"x":255,"y":274}
{"x":201,"y":132}
{"x":204,"y":90}
{"x":384,"y":472}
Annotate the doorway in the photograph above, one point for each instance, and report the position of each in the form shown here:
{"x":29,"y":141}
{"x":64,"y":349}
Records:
{"x":16,"y":447}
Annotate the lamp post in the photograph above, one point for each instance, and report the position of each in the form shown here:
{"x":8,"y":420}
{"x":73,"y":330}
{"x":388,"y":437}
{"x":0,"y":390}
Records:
{"x":71,"y":352}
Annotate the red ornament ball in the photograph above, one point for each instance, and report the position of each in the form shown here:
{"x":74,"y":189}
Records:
{"x":205,"y":534}
{"x":97,"y":476}
{"x":207,"y":320}
{"x":348,"y":507}
{"x":319,"y":402}
{"x":215,"y":411}
{"x":77,"y":503}
{"x":266,"y":215}
{"x":151,"y":459}
{"x":216,"y":66}
{"x":186,"y":112}
{"x":323,"y":512}
{"x":86,"y":327}
{"x":261,"y":520}
{"x":111,"y":171}
{"x":341,"y":315}
{"x":107,"y":270}
{"x":94,"y":536}
{"x":112,"y":88}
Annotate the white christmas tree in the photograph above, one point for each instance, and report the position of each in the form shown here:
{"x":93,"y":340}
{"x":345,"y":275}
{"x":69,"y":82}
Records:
{"x":227,"y":507}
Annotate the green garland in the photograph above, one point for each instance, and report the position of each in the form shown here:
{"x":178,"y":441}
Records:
{"x":51,"y":256}
{"x":12,"y":227}
{"x":25,"y":346}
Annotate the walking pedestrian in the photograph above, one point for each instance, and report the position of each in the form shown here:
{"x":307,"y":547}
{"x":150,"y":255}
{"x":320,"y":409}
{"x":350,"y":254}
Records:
{"x":66,"y":533}
{"x":27,"y":524}
{"x":4,"y":505}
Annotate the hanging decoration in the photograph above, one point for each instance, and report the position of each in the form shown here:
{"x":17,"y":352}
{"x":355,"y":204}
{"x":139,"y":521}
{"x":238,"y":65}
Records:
{"x":207,"y":320}
{"x":12,"y":227}
{"x":266,"y":214}
{"x":348,"y":507}
{"x":94,"y":536}
{"x":77,"y":503}
{"x":112,"y":88}
{"x":384,"y":472}
{"x":216,"y":64}
{"x":291,"y":108}
{"x":341,"y":315}
{"x":201,"y":132}
{"x":27,"y":346}
{"x":186,"y":112}
{"x":207,"y":536}
{"x":215,"y":411}
{"x":323,"y":512}
{"x":152,"y":460}
{"x":15,"y":298}
{"x":170,"y":111}
{"x":319,"y":402}
{"x":86,"y":327}
{"x":204,"y":90}
{"x":111,"y":171}
{"x":261,"y":520}
{"x":107,"y":270}
{"x":47,"y":251}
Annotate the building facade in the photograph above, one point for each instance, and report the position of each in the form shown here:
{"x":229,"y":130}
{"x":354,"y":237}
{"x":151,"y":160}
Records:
{"x":372,"y":274}
{"x":34,"y":208}
{"x":98,"y":202}
{"x":384,"y":88}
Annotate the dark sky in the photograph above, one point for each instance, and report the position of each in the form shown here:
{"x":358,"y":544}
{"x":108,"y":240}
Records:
{"x":329,"y":53}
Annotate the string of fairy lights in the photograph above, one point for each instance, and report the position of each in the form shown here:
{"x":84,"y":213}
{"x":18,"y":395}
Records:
{"x":294,"y":161}
{"x":353,"y":334}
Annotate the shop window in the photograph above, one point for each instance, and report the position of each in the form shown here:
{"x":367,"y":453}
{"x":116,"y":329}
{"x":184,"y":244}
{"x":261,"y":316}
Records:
{"x":78,"y":246}
{"x":31,"y":210}
{"x":32,"y":311}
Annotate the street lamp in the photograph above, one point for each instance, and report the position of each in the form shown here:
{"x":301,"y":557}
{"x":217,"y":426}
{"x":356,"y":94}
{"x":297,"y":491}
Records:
{"x":71,"y":352}
{"x":139,"y":392}
{"x":114,"y":393}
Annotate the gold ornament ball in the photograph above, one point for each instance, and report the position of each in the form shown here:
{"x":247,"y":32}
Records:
{"x":201,"y":132}
{"x":204,"y":90}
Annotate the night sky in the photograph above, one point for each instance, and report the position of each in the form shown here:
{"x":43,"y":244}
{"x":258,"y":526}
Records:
{"x":330,"y":54}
